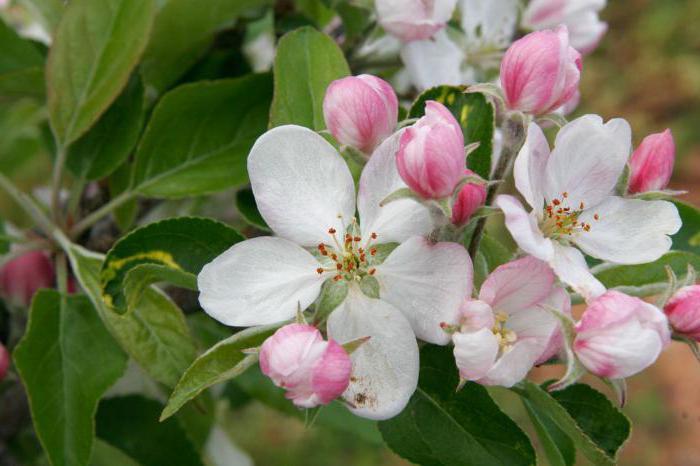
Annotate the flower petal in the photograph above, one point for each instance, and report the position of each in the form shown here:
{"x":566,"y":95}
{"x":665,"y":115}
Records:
{"x":475,"y":353}
{"x":433,"y":62}
{"x":488,"y":23}
{"x":571,"y":268}
{"x":398,"y":220}
{"x":517,"y":285}
{"x":629,"y":231}
{"x":513,"y":366}
{"x":385,"y":367}
{"x":587,"y":160}
{"x":259,"y":281}
{"x":523,"y":228}
{"x":530,"y":166}
{"x":301,"y":184}
{"x":427,"y":283}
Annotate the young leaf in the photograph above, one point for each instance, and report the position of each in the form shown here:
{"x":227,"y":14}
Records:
{"x":182,"y":32}
{"x":46,"y":12}
{"x":119,"y":181}
{"x":106,"y":145}
{"x":491,"y":254}
{"x":459,"y":427}
{"x":686,"y":238}
{"x":587,"y":417}
{"x":21,"y":66}
{"x":221,"y":362}
{"x":474,"y":113}
{"x":154,"y":334}
{"x":131,"y":424}
{"x":558,"y":448}
{"x":104,"y":454}
{"x":245,"y":203}
{"x":307,"y":61}
{"x":67,"y":360}
{"x":175,"y":251}
{"x":97,"y":44}
{"x":199,"y":137}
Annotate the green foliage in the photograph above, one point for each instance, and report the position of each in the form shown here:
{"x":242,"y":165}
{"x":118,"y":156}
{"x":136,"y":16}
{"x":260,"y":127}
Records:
{"x":474,"y":113}
{"x":172,"y":250}
{"x":491,"y":254}
{"x":47,"y":12}
{"x":307,"y":61}
{"x":651,"y":276}
{"x":199,"y":137}
{"x":98,"y":43}
{"x":245,"y":203}
{"x":67,"y":360}
{"x":21,"y":66}
{"x":104,"y":454}
{"x":443,"y":426}
{"x":687,"y":238}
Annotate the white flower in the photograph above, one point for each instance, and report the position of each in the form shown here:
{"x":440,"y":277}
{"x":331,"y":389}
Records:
{"x":572,"y":196}
{"x":305,"y":193}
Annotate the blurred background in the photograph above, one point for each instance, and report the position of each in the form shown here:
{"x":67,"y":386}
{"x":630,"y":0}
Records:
{"x":647,"y":70}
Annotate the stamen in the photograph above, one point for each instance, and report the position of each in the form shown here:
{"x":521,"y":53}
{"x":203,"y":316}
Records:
{"x":319,"y":270}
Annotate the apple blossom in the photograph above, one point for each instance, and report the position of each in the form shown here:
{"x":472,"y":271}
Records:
{"x":23,"y":276}
{"x":411,"y":20}
{"x":580,"y":16}
{"x":4,"y":361}
{"x":620,"y":335}
{"x":571,"y":192}
{"x":361,"y":111}
{"x":651,"y":165}
{"x":683,"y":311}
{"x":431,"y":156}
{"x":312,"y":371}
{"x":305,"y":193}
{"x":540,"y":72}
{"x":469,"y":199}
{"x":509,"y":329}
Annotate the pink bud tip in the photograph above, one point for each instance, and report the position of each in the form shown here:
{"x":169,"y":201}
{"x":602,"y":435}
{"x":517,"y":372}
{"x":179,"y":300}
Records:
{"x":540,"y":72}
{"x":313,"y":371}
{"x":4,"y":361}
{"x":21,"y":277}
{"x":360,"y":111}
{"x":470,"y":198}
{"x":620,"y":335}
{"x":651,"y":165}
{"x":683,"y":311}
{"x":411,"y":20}
{"x":431,"y":156}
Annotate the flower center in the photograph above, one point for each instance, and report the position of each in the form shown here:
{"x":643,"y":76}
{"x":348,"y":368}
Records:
{"x":350,"y":259}
{"x":562,"y":219}
{"x":506,"y":337}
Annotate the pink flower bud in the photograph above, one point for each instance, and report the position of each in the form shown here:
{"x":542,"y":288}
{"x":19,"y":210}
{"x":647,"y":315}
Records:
{"x":431,"y":157}
{"x":683,"y":311}
{"x":313,"y":371}
{"x":470,"y":198}
{"x":619,"y":335}
{"x":414,"y":19}
{"x":651,"y":164}
{"x":540,"y":72}
{"x":360,"y":111}
{"x":21,"y":277}
{"x":4,"y":361}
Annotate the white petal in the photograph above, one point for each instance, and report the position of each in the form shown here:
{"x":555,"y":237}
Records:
{"x":433,"y":62}
{"x":534,"y":323}
{"x":385,"y":368}
{"x":523,"y":228}
{"x":629,"y":231}
{"x":513,"y":366}
{"x":571,"y":268}
{"x":587,"y":160}
{"x":517,"y":285}
{"x":475,"y":353}
{"x":259,"y":281}
{"x":530,"y":166}
{"x":427,"y":283}
{"x":301,"y":184}
{"x":488,"y":23}
{"x":398,"y":220}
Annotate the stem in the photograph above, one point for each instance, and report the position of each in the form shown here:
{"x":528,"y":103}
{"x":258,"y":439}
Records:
{"x":97,"y":215}
{"x":513,"y":139}
{"x":56,"y":182}
{"x":61,"y":273}
{"x":76,"y":193}
{"x":29,"y":206}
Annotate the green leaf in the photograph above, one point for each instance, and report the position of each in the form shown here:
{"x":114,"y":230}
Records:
{"x":491,"y":254}
{"x":686,"y":238}
{"x":651,"y":277}
{"x":106,"y":145}
{"x":307,"y":61}
{"x":46,"y":12}
{"x":199,"y":136}
{"x":558,"y":448}
{"x":154,"y":334}
{"x":245,"y":203}
{"x":131,"y":424}
{"x":459,"y":427}
{"x":97,"y":44}
{"x":104,"y":454}
{"x":175,"y":250}
{"x":474,"y":113}
{"x":21,"y":66}
{"x":67,"y":360}
{"x":596,"y":427}
{"x":221,"y":362}
{"x":182,"y":32}
{"x":119,"y":182}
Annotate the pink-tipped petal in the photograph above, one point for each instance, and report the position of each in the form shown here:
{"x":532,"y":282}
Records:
{"x":651,"y":165}
{"x":470,"y":198}
{"x":683,"y":311}
{"x":411,"y":20}
{"x":331,"y":373}
{"x":22,"y":276}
